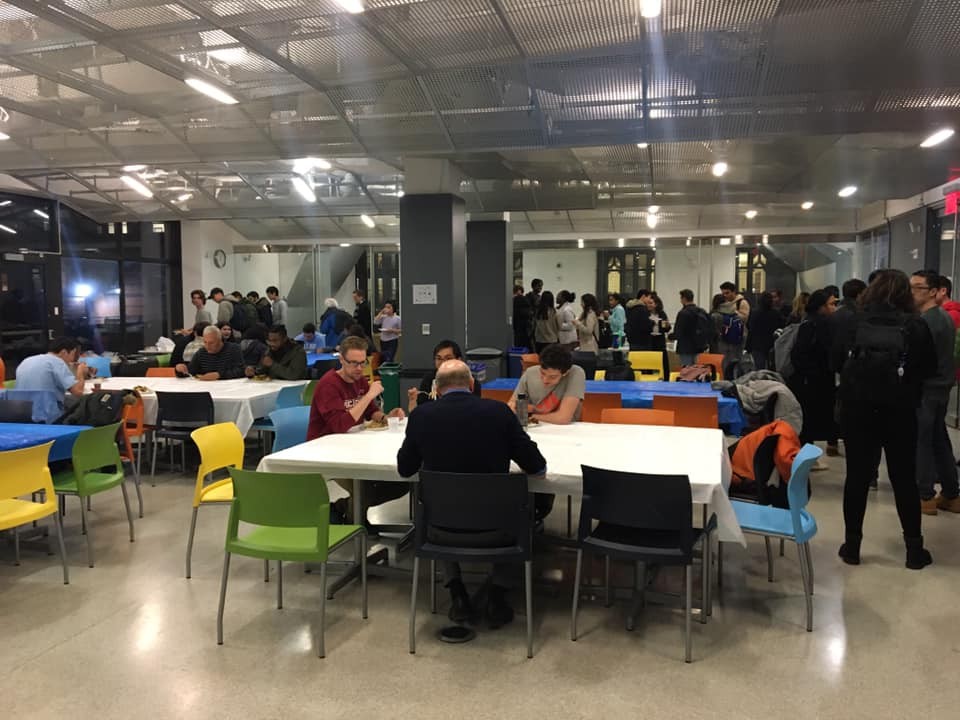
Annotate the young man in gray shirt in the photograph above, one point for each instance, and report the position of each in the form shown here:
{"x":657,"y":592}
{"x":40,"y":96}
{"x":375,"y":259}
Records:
{"x":554,"y":388}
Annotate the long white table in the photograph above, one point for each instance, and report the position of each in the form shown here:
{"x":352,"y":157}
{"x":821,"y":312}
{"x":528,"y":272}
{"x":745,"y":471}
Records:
{"x":239,"y":401}
{"x":697,"y":453}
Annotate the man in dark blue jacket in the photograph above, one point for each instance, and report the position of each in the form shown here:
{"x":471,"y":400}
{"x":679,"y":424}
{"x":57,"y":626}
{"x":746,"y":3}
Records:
{"x":462,"y":433}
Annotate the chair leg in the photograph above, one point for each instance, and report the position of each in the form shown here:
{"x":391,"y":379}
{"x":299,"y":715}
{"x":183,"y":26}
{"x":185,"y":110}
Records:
{"x":266,"y":571}
{"x":363,"y":575}
{"x":710,"y":582}
{"x":413,"y":605}
{"x":126,"y":504}
{"x":280,"y":586}
{"x":89,"y":502}
{"x":83,"y":522}
{"x":153,"y":465}
{"x":688,"y":581}
{"x":782,"y":542}
{"x":193,"y":528}
{"x":608,"y":596}
{"x":136,"y":480}
{"x":16,"y":546}
{"x":719,"y":564}
{"x":433,"y":586}
{"x":321,"y":645}
{"x":809,"y":553}
{"x":704,"y":579}
{"x":528,"y":582}
{"x":576,"y":595}
{"x":766,"y":542}
{"x":223,"y":597}
{"x":83,"y":518}
{"x":808,"y":595}
{"x":569,"y":516}
{"x":63,"y":551}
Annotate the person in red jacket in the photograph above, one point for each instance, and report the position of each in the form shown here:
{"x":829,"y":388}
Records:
{"x":952,"y":307}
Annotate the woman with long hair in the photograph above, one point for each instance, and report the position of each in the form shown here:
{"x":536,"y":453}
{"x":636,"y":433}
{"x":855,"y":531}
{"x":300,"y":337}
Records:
{"x":813,"y":382}
{"x":661,"y":326}
{"x":566,"y":315}
{"x":586,"y":324}
{"x":799,"y":308}
{"x":883,"y":357}
{"x":546,"y":329}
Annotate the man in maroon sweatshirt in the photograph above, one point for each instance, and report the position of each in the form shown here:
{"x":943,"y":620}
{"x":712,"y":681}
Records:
{"x":343,"y":399}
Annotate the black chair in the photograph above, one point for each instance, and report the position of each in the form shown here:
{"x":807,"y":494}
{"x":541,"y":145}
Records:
{"x":588,"y":361}
{"x":472,"y":503}
{"x":644,"y":519}
{"x":179,"y":414}
{"x":763,"y":467}
{"x":16,"y":411}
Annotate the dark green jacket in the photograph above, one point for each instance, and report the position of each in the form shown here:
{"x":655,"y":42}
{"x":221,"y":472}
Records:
{"x":289,"y":362}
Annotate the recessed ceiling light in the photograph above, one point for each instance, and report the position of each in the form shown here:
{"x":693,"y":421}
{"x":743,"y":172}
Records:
{"x":351,"y":6}
{"x":266,"y":248}
{"x":725,"y":241}
{"x":766,"y":239}
{"x":303,"y":187}
{"x":806,"y":205}
{"x":41,"y":213}
{"x":847,"y":191}
{"x":652,"y":220}
{"x":400,"y":193}
{"x":344,"y":244}
{"x":580,"y":243}
{"x":134,"y":168}
{"x":643,"y":146}
{"x":689,"y":240}
{"x":750,"y":214}
{"x":4,"y":136}
{"x":738,"y":239}
{"x":368,"y":221}
{"x":651,"y":8}
{"x":719,"y":169}
{"x":938,"y":137}
{"x":654,"y":209}
{"x":621,"y":242}
{"x":184,"y":197}
{"x":8,"y":229}
{"x":653,"y":242}
{"x":137,"y":186}
{"x":211,"y":91}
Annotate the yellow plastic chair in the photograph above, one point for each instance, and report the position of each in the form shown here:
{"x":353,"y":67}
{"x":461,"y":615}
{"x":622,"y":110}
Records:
{"x":25,"y":472}
{"x":647,"y":364}
{"x":221,"y":447}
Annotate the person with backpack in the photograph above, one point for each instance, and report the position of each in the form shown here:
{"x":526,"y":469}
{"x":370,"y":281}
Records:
{"x":762,"y":326}
{"x":692,"y":330}
{"x":813,"y":382}
{"x":883,"y":360}
{"x":734,"y":312}
{"x":263,"y":308}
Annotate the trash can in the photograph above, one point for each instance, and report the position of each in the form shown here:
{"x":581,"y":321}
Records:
{"x":492,"y":358}
{"x":515,"y":361}
{"x":390,"y":377}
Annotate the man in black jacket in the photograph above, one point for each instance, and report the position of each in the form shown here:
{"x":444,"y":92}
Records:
{"x":462,"y":433}
{"x":639,"y":324}
{"x":362,"y":313}
{"x":688,"y":329}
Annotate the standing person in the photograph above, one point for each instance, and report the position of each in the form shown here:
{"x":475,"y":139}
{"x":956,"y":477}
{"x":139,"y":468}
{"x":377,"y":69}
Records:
{"x":717,"y":319}
{"x":263,"y":307}
{"x":389,"y":323}
{"x":935,"y":461}
{"x":199,"y":301}
{"x":691,"y":329}
{"x":588,"y":324}
{"x":734,"y":311}
{"x":813,"y":381}
{"x":279,"y":306}
{"x":618,"y":318}
{"x":533,"y":297}
{"x":883,"y":360}
{"x":224,"y":306}
{"x":522,"y":318}
{"x":779,"y":305}
{"x":764,"y":322}
{"x":546,"y":330}
{"x":566,"y":315}
{"x":284,"y":361}
{"x":799,"y":309}
{"x":661,"y":327}
{"x":639,"y":323}
{"x":57,"y":371}
{"x":361,"y":313}
{"x":944,"y":294}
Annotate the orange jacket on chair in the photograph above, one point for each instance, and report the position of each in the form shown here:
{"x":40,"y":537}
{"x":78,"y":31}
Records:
{"x":787,"y":448}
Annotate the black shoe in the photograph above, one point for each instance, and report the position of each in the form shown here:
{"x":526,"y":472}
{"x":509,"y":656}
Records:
{"x":461,"y":611}
{"x":850,"y":550}
{"x":499,"y":612}
{"x":917,"y":557}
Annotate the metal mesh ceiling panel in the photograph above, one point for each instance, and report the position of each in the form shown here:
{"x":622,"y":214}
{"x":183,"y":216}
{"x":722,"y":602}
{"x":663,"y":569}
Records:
{"x":718,"y":15}
{"x":134,"y":15}
{"x":937,"y":25}
{"x":347,"y":53}
{"x":545,"y":27}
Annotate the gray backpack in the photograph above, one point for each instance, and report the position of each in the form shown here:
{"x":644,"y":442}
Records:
{"x":783,"y":348}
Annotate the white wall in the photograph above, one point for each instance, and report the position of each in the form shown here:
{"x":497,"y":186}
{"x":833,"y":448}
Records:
{"x":199,"y":239}
{"x":699,"y":269}
{"x":256,"y":271}
{"x":573,"y":270}
{"x":817,"y":278}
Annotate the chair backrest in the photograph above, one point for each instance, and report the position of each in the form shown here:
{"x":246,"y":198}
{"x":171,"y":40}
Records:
{"x":16,"y":411}
{"x":691,"y":411}
{"x":3,"y":370}
{"x":289,"y":426}
{"x":289,"y":396}
{"x":192,"y":409}
{"x":473,"y":502}
{"x":9,"y":384}
{"x":714,"y":360}
{"x":637,"y":416}
{"x":101,"y":364}
{"x":220,"y":445}
{"x":587,"y":361}
{"x":595,"y":403}
{"x":94,"y":449}
{"x":529,"y":360}
{"x":798,"y":489}
{"x":375,"y":361}
{"x":161,"y":372}
{"x":306,"y":393}
{"x":290,"y":500}
{"x":647,"y":364}
{"x":649,"y":502}
{"x":501,"y":395}
{"x":132,"y":418}
{"x":163,"y":360}
{"x":25,"y":471}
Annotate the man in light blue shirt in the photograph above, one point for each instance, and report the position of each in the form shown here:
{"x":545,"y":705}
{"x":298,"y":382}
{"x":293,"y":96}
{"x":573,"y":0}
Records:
{"x":309,"y":339}
{"x":51,"y":372}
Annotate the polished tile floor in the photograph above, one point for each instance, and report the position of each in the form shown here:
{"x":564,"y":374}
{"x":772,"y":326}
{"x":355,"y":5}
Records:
{"x":133,"y":638}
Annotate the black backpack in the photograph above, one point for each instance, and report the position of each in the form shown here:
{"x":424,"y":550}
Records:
{"x":99,"y":408}
{"x":605,"y":335}
{"x":874,"y":367}
{"x":619,"y":372}
{"x":264,"y":312}
{"x":239,"y":319}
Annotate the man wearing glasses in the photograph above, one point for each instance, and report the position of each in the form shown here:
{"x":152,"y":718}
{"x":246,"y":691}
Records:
{"x":444,"y":351}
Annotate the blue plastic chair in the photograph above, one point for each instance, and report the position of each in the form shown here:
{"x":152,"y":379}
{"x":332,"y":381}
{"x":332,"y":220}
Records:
{"x":794,"y":524}
{"x":102,"y":365}
{"x":290,"y":426}
{"x":289,"y":396}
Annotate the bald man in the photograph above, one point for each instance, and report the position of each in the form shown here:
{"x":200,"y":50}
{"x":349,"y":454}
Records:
{"x":216,"y":360}
{"x":463,"y":433}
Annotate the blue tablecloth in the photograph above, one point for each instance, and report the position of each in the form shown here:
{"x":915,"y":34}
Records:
{"x":14,"y":436}
{"x":640,"y":395}
{"x":47,"y":405}
{"x":316,"y":357}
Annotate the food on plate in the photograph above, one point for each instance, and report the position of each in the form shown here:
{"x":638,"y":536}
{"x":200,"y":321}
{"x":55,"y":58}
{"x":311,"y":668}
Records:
{"x":380,"y":424}
{"x":261,"y":378}
{"x":141,"y":389}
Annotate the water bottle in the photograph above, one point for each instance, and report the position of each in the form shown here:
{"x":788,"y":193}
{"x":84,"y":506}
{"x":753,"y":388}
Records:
{"x":522,"y":409}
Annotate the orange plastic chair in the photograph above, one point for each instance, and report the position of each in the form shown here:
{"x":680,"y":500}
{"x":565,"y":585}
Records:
{"x":595,"y":403}
{"x":637,"y":416}
{"x":161,"y":372}
{"x":715,"y":360}
{"x":501,"y":395}
{"x":3,"y":371}
{"x":697,"y":412}
{"x":133,"y":427}
{"x":529,"y":360}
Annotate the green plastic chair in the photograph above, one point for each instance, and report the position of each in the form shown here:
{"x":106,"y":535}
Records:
{"x":292,"y":515}
{"x":163,"y":360}
{"x":9,"y":384}
{"x":308,"y":391}
{"x":94,"y":451}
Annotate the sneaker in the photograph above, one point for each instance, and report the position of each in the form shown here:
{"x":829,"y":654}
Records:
{"x":928,"y":507}
{"x":949,"y":504}
{"x":461,"y":611}
{"x":499,"y":612}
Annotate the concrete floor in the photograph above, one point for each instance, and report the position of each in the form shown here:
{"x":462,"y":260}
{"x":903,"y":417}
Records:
{"x":132,"y":637}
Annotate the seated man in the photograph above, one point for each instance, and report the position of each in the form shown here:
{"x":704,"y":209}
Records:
{"x":308,"y":338}
{"x":52,"y":372}
{"x":444,"y":351}
{"x":216,"y":360}
{"x":466,"y":434}
{"x":285,"y":360}
{"x":554,"y":388}
{"x":342,"y":400}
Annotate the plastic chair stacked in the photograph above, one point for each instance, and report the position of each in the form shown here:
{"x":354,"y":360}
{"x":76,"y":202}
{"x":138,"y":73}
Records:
{"x":690,"y":411}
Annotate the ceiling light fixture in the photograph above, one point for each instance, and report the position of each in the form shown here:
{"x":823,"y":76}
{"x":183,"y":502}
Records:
{"x":652,"y":220}
{"x":344,"y":244}
{"x":303,"y":187}
{"x":134,"y":168}
{"x":643,"y":146}
{"x":750,"y":214}
{"x":847,"y":191}
{"x":580,"y":243}
{"x":653,"y":242}
{"x":185,"y":197}
{"x":806,"y":205}
{"x":766,"y":239}
{"x":6,"y":202}
{"x":137,"y":186}
{"x":621,"y":242}
{"x":266,"y":248}
{"x":41,"y":213}
{"x":654,"y":209}
{"x":651,"y":8}
{"x":719,"y":169}
{"x":305,"y":165}
{"x":211,"y":91}
{"x":738,"y":239}
{"x":400,"y":193}
{"x":938,"y":137}
{"x":725,"y":241}
{"x":4,"y":136}
{"x":351,"y":6}
{"x":8,"y":229}
{"x":368,"y":221}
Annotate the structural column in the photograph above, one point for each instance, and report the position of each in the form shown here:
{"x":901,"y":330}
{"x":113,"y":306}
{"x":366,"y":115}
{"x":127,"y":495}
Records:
{"x":489,"y":282}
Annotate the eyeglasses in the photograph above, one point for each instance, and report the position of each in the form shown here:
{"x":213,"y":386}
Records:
{"x":354,"y":363}
{"x":920,"y":287}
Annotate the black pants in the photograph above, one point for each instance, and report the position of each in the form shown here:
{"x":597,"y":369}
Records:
{"x":866,"y":432}
{"x":935,"y":461}
{"x":388,"y":349}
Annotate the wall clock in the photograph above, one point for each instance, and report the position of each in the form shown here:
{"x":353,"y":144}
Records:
{"x":219,"y":258}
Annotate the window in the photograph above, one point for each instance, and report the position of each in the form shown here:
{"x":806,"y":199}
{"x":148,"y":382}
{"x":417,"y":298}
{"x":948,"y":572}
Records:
{"x":144,"y":301}
{"x":91,"y":302}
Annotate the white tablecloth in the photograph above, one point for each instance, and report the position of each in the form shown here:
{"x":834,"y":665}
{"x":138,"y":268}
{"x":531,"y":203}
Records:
{"x":239,"y":401}
{"x":697,"y":453}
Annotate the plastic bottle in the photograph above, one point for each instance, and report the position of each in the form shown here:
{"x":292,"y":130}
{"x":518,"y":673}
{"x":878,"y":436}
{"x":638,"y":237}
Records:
{"x":522,"y":409}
